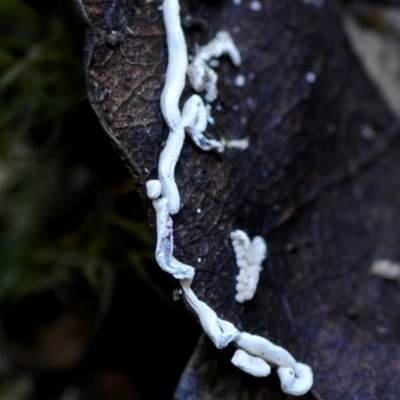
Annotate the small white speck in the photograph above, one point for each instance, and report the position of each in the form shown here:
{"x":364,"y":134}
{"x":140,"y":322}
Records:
{"x":236,"y":29}
{"x":198,"y":210}
{"x":243,"y":120}
{"x":311,"y":77}
{"x":218,"y":107}
{"x":255,"y":6}
{"x":367,"y":132}
{"x":146,"y":170}
{"x":237,"y":2}
{"x":235,"y":107}
{"x":199,"y":260}
{"x":160,"y":8}
{"x":240,"y":80}
{"x":251,"y":75}
{"x":382,"y":329}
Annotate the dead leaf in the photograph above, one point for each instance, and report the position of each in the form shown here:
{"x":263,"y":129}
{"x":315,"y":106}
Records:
{"x":319,"y":180}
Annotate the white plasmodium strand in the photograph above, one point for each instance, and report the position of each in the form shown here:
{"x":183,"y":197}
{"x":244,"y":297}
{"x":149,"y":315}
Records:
{"x":220,"y":45}
{"x":263,"y":348}
{"x":194,"y":111}
{"x":296,"y":378}
{"x":202,"y":77}
{"x":165,"y":238}
{"x":219,"y":331}
{"x":254,"y":352}
{"x":173,"y":87}
{"x":249,"y":257}
{"x":251,"y":365}
{"x":241,"y":144}
{"x":297,"y":381}
{"x":194,"y":119}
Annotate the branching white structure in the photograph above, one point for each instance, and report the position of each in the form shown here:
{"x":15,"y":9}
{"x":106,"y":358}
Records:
{"x":249,"y":257}
{"x":202,"y":77}
{"x":255,"y":353}
{"x":194,"y":115}
{"x":194,"y":119}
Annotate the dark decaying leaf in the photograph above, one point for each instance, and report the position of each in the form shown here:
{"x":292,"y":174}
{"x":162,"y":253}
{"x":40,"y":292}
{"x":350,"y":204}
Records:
{"x":319,"y":181}
{"x":383,"y":3}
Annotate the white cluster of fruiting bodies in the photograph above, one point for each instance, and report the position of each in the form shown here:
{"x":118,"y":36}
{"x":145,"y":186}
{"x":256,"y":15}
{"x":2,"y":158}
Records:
{"x":254,"y":354}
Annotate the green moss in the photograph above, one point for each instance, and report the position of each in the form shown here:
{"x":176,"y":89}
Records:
{"x":59,"y":216}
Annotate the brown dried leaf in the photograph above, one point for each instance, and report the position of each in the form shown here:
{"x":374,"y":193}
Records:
{"x":319,"y":180}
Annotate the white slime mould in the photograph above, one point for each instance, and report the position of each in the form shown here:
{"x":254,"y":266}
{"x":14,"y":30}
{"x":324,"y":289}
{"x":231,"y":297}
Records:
{"x":194,"y":119}
{"x":251,"y":365}
{"x":255,"y":353}
{"x":201,"y":75}
{"x":249,"y":257}
{"x":194,"y":115}
{"x":173,"y":87}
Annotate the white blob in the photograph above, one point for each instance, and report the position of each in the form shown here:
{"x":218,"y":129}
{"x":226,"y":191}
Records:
{"x":249,"y":257}
{"x":240,"y":80}
{"x":201,"y":75}
{"x":311,"y":77}
{"x":153,"y":189}
{"x":203,"y":78}
{"x":368,"y":132}
{"x":251,"y":365}
{"x":386,"y":269}
{"x":296,"y":381}
{"x":255,"y":6}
